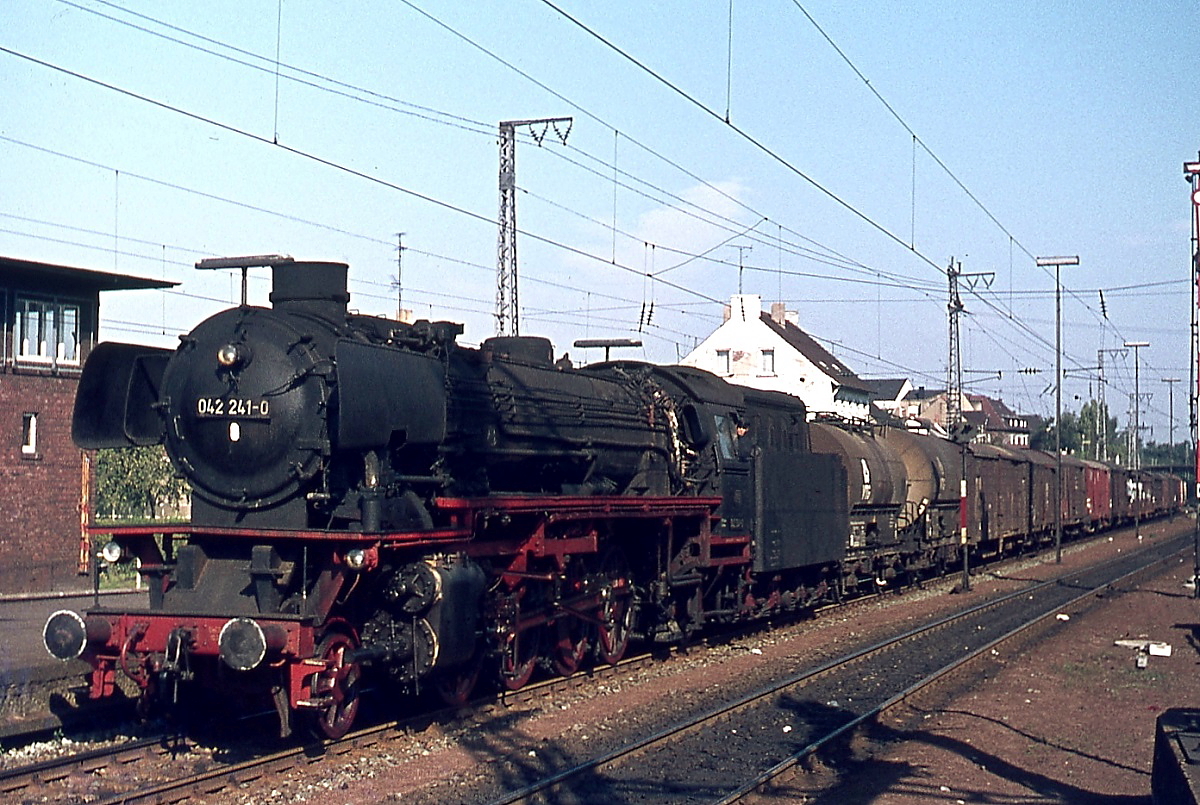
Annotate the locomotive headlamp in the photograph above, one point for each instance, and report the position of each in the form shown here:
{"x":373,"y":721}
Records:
{"x":230,"y":356}
{"x":356,"y":558}
{"x":111,"y":553}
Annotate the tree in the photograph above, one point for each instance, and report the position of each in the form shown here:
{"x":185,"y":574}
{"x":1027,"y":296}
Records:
{"x":1100,"y":432}
{"x":1171,"y":455}
{"x":135,"y":482}
{"x":1042,"y":438}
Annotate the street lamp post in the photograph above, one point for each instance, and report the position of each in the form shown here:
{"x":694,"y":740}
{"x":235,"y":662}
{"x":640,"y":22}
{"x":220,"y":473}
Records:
{"x":1058,"y":263}
{"x":1136,"y":458}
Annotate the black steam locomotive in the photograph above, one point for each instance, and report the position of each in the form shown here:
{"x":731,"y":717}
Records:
{"x":369,"y":496}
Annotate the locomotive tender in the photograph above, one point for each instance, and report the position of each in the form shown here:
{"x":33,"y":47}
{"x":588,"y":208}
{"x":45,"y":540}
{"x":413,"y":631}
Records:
{"x":368,"y":495}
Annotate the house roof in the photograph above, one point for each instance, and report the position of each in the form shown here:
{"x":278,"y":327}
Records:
{"x":979,"y":419}
{"x":886,"y":388}
{"x":80,"y":278}
{"x":922,"y":393}
{"x":996,"y":414}
{"x":820,"y":357}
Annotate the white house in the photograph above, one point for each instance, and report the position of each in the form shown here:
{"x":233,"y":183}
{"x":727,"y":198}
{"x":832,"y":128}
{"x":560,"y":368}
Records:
{"x":769,"y":351}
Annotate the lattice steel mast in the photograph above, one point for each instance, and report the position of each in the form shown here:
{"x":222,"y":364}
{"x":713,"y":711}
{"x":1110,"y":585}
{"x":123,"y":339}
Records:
{"x":507,"y":306}
{"x":954,"y":370}
{"x":954,"y":367}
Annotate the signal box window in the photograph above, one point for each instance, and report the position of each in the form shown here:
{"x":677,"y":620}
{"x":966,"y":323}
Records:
{"x":47,"y":332}
{"x":29,"y":448}
{"x":723,"y":359}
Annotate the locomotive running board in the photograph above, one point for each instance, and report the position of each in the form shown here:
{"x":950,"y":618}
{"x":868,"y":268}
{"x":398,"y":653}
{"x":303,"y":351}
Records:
{"x":591,"y":504}
{"x":461,"y":511}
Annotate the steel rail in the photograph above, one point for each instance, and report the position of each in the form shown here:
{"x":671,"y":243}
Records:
{"x":47,"y":771}
{"x":767,"y":777}
{"x":209,"y":781}
{"x":213,"y":780}
{"x":659,"y":738}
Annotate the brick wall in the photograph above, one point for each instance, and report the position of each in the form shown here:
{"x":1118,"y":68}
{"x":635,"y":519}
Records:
{"x":40,"y":493}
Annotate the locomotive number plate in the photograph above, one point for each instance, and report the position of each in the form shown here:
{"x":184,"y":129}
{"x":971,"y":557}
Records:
{"x":232,"y":408}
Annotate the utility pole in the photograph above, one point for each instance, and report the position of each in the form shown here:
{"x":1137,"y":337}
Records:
{"x":1101,"y":413}
{"x":1191,"y":172}
{"x":955,"y":425}
{"x":954,"y":414}
{"x":1136,"y":346}
{"x":1100,"y":353}
{"x":399,"y":276}
{"x":741,"y":251}
{"x":1171,"y":381}
{"x":1058,"y":263}
{"x":507,"y":304}
{"x":954,"y":365}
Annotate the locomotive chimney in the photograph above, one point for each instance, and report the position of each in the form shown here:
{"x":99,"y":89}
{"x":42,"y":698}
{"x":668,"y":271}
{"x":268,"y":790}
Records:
{"x":318,"y":288}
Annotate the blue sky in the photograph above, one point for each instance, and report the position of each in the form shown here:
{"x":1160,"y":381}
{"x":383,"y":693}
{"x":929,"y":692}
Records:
{"x":991,"y":133}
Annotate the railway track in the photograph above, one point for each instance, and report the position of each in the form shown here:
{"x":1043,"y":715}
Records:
{"x":106,"y":761}
{"x":955,"y":673}
{"x":741,"y":748}
{"x":781,"y":725}
{"x":168,"y":767}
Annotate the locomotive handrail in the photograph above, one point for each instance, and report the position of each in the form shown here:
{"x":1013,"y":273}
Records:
{"x":589,"y":505}
{"x":436,"y":534}
{"x":593,"y":503}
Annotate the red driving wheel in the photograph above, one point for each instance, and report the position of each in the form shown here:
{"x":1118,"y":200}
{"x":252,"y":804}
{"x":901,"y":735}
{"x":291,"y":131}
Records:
{"x":339,"y":682}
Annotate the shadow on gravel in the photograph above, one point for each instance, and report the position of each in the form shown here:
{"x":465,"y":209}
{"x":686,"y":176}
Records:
{"x":1020,"y":579}
{"x":504,"y":748}
{"x":861,"y":778}
{"x":1193,"y":636}
{"x":63,"y":706}
{"x":1159,"y":593}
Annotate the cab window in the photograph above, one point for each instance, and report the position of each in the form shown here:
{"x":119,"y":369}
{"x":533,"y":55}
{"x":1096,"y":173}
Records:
{"x":725,"y":436}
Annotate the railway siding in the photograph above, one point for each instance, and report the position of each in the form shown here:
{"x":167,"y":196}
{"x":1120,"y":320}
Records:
{"x":452,"y":766}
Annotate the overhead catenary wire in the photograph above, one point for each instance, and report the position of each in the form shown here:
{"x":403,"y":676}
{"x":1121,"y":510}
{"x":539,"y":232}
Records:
{"x":784,"y":162}
{"x":355,"y":92}
{"x":1013,"y":241}
{"x":900,"y":284}
{"x":915,"y":137}
{"x":619,"y":134}
{"x":481,"y":126}
{"x":708,"y":300}
{"x":756,"y":143}
{"x":329,"y":163}
{"x":771,"y":152}
{"x":326,"y":83}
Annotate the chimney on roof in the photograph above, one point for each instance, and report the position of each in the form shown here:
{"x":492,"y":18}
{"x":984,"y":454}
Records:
{"x":744,"y":307}
{"x":782,"y":316}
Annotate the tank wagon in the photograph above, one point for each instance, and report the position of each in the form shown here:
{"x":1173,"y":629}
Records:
{"x":371,"y":497}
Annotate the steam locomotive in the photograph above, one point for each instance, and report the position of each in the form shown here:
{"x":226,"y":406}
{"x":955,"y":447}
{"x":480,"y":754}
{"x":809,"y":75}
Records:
{"x":369,"y":496}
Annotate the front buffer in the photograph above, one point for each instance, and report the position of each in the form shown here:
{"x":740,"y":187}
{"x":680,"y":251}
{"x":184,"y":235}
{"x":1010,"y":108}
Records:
{"x":228,"y":615}
{"x":306,"y":669}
